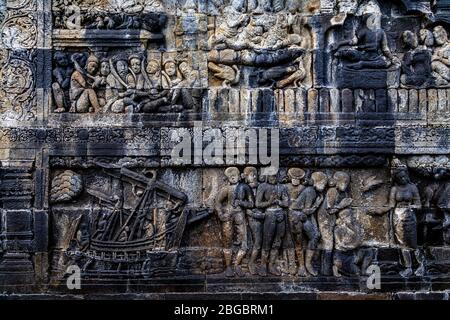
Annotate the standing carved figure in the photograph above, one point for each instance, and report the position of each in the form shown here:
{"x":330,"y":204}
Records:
{"x":441,"y":56}
{"x":336,"y":200}
{"x":62,"y":74}
{"x":231,"y":215}
{"x":416,"y":64}
{"x":291,"y":244}
{"x":439,"y":195}
{"x":272,"y":197}
{"x":304,"y":224}
{"x":255,"y":217}
{"x":404,"y":200}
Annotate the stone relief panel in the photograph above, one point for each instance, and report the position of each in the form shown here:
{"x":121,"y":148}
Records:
{"x":18,"y":35}
{"x":96,"y":95}
{"x":134,"y":82}
{"x":124,"y":218}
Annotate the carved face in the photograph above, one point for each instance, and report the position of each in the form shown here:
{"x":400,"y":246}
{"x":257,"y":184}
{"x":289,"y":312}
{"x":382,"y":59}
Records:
{"x":135,"y":65}
{"x":92,"y":67}
{"x":152,"y":67}
{"x":295,"y":181}
{"x":320,"y":181}
{"x":342,"y":181}
{"x":170,"y":68}
{"x":410,"y":39}
{"x":184,"y":69}
{"x":251,"y":177}
{"x":233,"y":177}
{"x":440,"y":35}
{"x":61,"y":60}
{"x":373,"y":22}
{"x":402,"y":178}
{"x":122,"y":67}
{"x":272,"y":179}
{"x":105,"y":69}
{"x":426,"y":37}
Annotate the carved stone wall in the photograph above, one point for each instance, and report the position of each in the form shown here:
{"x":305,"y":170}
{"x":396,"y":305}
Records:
{"x":95,"y":96}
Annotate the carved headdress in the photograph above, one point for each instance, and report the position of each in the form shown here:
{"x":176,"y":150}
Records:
{"x":92,"y":58}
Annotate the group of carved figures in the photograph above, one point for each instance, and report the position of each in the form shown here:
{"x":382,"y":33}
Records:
{"x":123,"y":84}
{"x":275,"y":43}
{"x":428,"y":57}
{"x":426,"y":62}
{"x":312,"y":214}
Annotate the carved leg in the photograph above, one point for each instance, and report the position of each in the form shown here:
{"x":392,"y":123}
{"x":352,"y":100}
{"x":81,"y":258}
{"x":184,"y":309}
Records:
{"x":58,"y":96}
{"x":264,"y":262}
{"x":420,"y":257}
{"x":280,"y":232}
{"x":227,"y":253}
{"x":256,"y":229}
{"x":311,"y":231}
{"x":268,"y":235}
{"x":227,"y":239}
{"x":301,"y":262}
{"x":242,"y":238}
{"x":327,"y":260}
{"x":93,"y":100}
{"x":273,"y":269}
{"x":407,"y":262}
{"x":310,"y":254}
{"x":337,"y":264}
{"x":82,"y":104}
{"x":289,"y":247}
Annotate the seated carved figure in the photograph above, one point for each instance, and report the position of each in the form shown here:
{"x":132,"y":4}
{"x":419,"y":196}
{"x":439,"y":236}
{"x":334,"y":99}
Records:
{"x":117,"y":88}
{"x":83,"y":85}
{"x":368,"y":49}
{"x":416,"y":64}
{"x":232,"y":22}
{"x":62,"y":74}
{"x":152,"y":97}
{"x":441,"y":57}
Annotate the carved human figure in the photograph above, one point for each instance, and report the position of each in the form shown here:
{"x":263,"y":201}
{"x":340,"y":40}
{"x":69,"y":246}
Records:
{"x":272,"y":5}
{"x":135,"y":77}
{"x":347,"y":240}
{"x":303,"y":222}
{"x":255,"y":217}
{"x":190,"y":93}
{"x":426,"y":39}
{"x":104,"y":72}
{"x":83,"y":86}
{"x":439,"y":195}
{"x":404,"y":200}
{"x":171,"y":76}
{"x":273,"y":198}
{"x":368,"y":49}
{"x":278,"y":36}
{"x":118,"y":84}
{"x":441,"y":56}
{"x":230,"y":75}
{"x":416,"y":64}
{"x":232,"y":217}
{"x":233,"y":19}
{"x":153,"y":98}
{"x":62,"y":74}
{"x":295,"y":187}
{"x":283,"y":76}
{"x":336,"y":200}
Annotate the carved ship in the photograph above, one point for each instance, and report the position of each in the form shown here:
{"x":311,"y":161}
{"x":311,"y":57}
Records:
{"x":121,"y":247}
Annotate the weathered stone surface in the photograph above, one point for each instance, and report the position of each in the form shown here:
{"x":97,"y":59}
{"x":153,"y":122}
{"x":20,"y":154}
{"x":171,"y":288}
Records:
{"x":137,"y":138}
